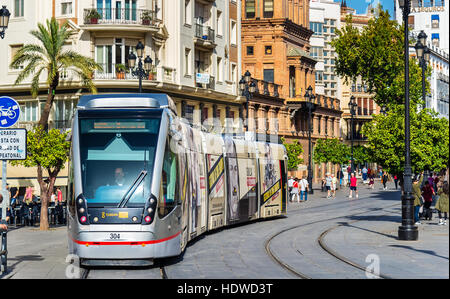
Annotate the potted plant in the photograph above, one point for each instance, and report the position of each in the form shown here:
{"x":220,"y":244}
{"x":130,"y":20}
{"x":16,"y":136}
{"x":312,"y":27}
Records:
{"x":120,"y":71}
{"x":152,"y":75}
{"x":146,"y":17}
{"x":93,"y":16}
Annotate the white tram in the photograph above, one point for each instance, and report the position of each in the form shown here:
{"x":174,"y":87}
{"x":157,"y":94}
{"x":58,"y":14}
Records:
{"x":143,"y":183}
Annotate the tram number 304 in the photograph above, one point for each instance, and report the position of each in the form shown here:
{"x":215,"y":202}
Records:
{"x":114,"y":236}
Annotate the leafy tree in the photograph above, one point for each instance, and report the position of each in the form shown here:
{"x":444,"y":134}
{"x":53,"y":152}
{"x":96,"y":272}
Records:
{"x":47,"y":151}
{"x":429,"y":140}
{"x":376,"y":55}
{"x":331,"y":150}
{"x":49,"y":57}
{"x":361,"y":154}
{"x":294,"y":150}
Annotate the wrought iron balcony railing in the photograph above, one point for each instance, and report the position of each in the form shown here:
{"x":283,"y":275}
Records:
{"x":143,"y":17}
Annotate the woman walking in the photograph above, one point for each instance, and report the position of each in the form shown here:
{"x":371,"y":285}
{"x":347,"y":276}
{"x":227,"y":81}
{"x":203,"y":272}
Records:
{"x":427,"y":193}
{"x":417,"y":199}
{"x":442,"y":203}
{"x":384,"y":179}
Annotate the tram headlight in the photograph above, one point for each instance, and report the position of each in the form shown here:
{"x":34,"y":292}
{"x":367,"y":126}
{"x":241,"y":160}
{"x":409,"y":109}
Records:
{"x":149,"y":211}
{"x":83,"y":219}
{"x":81,"y":210}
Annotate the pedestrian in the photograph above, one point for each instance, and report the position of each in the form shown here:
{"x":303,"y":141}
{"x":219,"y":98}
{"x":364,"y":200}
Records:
{"x":28,"y":195}
{"x":303,"y":188}
{"x":384,"y":179}
{"x":340,"y":177}
{"x":353,"y":185}
{"x":427,"y":194}
{"x":290,"y":183}
{"x":295,"y":190}
{"x":328,"y":184}
{"x":418,"y":201}
{"x":333,"y":186}
{"x":364,"y":174}
{"x":59,"y":196}
{"x":442,"y":203}
{"x":395,"y":181}
{"x":371,"y":180}
{"x":349,"y":171}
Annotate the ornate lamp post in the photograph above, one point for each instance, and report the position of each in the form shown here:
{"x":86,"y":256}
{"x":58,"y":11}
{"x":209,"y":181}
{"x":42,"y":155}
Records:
{"x":4,"y":20}
{"x":423,"y":54}
{"x":407,"y":231}
{"x":140,"y":72}
{"x":352,"y":106}
{"x":247,"y":87}
{"x":311,"y":106}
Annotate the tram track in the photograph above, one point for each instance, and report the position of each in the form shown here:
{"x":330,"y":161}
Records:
{"x":322,"y":244}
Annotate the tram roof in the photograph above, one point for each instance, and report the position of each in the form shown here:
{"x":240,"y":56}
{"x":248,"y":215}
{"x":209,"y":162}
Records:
{"x":126,"y":100}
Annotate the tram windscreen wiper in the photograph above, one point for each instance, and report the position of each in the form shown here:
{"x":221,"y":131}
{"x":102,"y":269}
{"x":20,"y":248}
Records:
{"x":126,"y":197}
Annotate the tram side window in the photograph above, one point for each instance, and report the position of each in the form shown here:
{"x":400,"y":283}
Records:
{"x":169,"y":186}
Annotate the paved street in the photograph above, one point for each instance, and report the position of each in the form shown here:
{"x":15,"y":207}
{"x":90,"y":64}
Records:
{"x":362,"y":231}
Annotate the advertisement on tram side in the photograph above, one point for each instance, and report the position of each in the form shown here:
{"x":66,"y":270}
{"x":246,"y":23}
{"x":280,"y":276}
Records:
{"x":271,"y":184}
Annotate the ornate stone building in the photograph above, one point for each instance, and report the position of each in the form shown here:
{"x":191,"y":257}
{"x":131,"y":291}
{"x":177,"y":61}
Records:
{"x":276,"y":51}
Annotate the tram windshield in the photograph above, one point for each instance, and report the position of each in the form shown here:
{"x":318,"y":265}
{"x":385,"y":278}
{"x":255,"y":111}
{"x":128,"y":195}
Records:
{"x":117,"y":159}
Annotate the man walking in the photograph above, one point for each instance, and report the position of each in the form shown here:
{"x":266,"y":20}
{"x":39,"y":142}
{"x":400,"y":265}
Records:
{"x":304,"y":188}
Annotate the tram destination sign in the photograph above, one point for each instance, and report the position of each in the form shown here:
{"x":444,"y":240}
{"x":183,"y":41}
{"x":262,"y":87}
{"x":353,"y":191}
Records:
{"x":13,"y":144}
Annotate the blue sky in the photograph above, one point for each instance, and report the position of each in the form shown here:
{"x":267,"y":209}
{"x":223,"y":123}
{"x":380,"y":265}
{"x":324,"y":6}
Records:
{"x":361,"y":5}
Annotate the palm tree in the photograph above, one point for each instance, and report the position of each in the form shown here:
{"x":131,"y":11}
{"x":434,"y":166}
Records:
{"x":50,"y":57}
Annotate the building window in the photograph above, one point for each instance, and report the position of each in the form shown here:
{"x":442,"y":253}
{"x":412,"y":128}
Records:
{"x":316,"y":27}
{"x":18,"y":8}
{"x":269,"y":75}
{"x":435,"y":39}
{"x":434,"y":21}
{"x":14,"y":50}
{"x":187,"y":62}
{"x":249,"y":9}
{"x":219,"y":69}
{"x":187,"y":12}
{"x":250,"y":50}
{"x":219,"y":23}
{"x":29,"y":111}
{"x":268,"y":8}
{"x":233,"y":26}
{"x":268,"y":50}
{"x":66,"y":7}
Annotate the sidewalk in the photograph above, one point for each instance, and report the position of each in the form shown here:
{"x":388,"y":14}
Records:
{"x":42,"y":254}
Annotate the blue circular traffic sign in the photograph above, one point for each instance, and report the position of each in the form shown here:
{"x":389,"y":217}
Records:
{"x":9,"y":112}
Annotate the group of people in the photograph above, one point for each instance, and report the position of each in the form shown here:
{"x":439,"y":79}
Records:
{"x":433,"y":189}
{"x":298,"y":186}
{"x":26,"y":207}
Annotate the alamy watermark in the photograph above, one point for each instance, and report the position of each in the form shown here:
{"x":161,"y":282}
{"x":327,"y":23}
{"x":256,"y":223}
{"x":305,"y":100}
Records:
{"x":373,"y":269}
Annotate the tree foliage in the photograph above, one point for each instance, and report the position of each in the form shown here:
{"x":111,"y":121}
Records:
{"x":376,"y":55}
{"x":49,"y":57}
{"x":429,"y":140}
{"x":331,"y":150}
{"x":294,"y":150}
{"x":47,"y":151}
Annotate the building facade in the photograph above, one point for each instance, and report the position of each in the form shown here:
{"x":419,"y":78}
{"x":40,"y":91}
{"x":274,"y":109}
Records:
{"x":194,"y":46}
{"x":276,"y":50}
{"x":432,"y":17}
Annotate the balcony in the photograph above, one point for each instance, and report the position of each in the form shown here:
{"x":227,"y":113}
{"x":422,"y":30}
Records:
{"x":202,"y":84}
{"x":267,"y":88}
{"x":109,"y":73}
{"x":103,"y":19}
{"x":204,"y":37}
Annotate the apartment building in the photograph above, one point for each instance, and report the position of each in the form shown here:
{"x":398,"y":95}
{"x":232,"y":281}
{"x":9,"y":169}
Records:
{"x":194,"y":46}
{"x":431,"y":17}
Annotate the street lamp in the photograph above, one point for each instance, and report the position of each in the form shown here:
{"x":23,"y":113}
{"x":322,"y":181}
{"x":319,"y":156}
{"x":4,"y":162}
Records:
{"x":407,"y":231}
{"x":247,"y":87}
{"x":4,"y":20}
{"x":423,"y":54}
{"x":141,"y":71}
{"x":352,"y":106}
{"x":310,"y":105}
